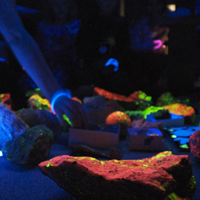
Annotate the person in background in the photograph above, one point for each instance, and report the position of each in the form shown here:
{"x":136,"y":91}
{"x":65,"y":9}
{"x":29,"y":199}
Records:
{"x":56,"y":38}
{"x":145,"y":34}
{"x":147,"y":59}
{"x":31,"y":59}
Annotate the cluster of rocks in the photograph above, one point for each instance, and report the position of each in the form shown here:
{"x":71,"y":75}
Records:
{"x":28,"y":135}
{"x":34,"y":117}
{"x":22,"y":144}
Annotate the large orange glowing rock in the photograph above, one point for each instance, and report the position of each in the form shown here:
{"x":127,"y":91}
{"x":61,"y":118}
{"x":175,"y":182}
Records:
{"x":118,"y":117}
{"x":160,"y":177}
{"x":181,"y":109}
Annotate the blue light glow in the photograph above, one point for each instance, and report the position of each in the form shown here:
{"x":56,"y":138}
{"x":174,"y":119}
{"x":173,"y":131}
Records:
{"x":25,"y":10}
{"x":58,"y":94}
{"x":103,"y":49}
{"x":1,"y":153}
{"x":2,"y":60}
{"x":113,"y":62}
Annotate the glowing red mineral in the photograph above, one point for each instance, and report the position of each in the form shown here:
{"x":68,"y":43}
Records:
{"x":160,"y":177}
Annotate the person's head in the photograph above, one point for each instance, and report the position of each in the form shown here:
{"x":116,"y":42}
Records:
{"x":60,"y":11}
{"x":156,"y":8}
{"x":107,"y":7}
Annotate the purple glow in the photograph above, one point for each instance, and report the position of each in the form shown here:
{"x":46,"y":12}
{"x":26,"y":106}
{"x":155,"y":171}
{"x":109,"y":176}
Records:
{"x":158,"y":44}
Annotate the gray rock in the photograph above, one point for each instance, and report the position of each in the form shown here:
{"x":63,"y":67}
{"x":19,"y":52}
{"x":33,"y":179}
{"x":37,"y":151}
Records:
{"x":34,"y":117}
{"x":93,"y":99}
{"x":98,"y":108}
{"x":142,"y":123}
{"x":11,"y":126}
{"x":29,"y":148}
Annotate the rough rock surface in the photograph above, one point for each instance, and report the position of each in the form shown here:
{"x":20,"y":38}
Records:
{"x":135,"y":114}
{"x":11,"y":126}
{"x":37,"y":102}
{"x":180,"y":109}
{"x":84,"y":150}
{"x":5,"y":98}
{"x":99,"y":108}
{"x":34,"y":117}
{"x":167,"y":99}
{"x":31,"y":147}
{"x":142,"y":123}
{"x":157,"y":178}
{"x":194,"y":142}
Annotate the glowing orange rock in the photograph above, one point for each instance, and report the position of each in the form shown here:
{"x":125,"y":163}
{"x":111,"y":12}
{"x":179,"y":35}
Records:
{"x":181,"y":109}
{"x":118,"y":117}
{"x":138,"y":95}
{"x":110,"y":95}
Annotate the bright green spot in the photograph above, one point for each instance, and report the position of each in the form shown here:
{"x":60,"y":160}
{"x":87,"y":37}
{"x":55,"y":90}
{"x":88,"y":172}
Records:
{"x":67,"y":119}
{"x":192,"y":182}
{"x":92,"y":159}
{"x":173,"y":136}
{"x":37,"y":89}
{"x":102,"y":162}
{"x":148,"y":98}
{"x":144,"y":96}
{"x":151,"y":109}
{"x":184,"y":146}
{"x":160,"y":155}
{"x":48,"y":165}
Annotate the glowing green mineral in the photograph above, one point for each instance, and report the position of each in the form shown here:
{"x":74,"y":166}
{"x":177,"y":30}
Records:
{"x":67,"y":119}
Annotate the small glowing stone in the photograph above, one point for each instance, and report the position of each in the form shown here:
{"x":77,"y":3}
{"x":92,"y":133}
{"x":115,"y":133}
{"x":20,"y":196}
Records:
{"x":184,"y":146}
{"x":67,"y":119}
{"x":173,"y":136}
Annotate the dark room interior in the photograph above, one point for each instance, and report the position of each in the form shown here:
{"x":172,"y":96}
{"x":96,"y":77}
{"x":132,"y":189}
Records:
{"x":139,"y":60}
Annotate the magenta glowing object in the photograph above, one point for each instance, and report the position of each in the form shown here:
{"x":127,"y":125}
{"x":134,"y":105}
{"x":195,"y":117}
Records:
{"x":158,"y":44}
